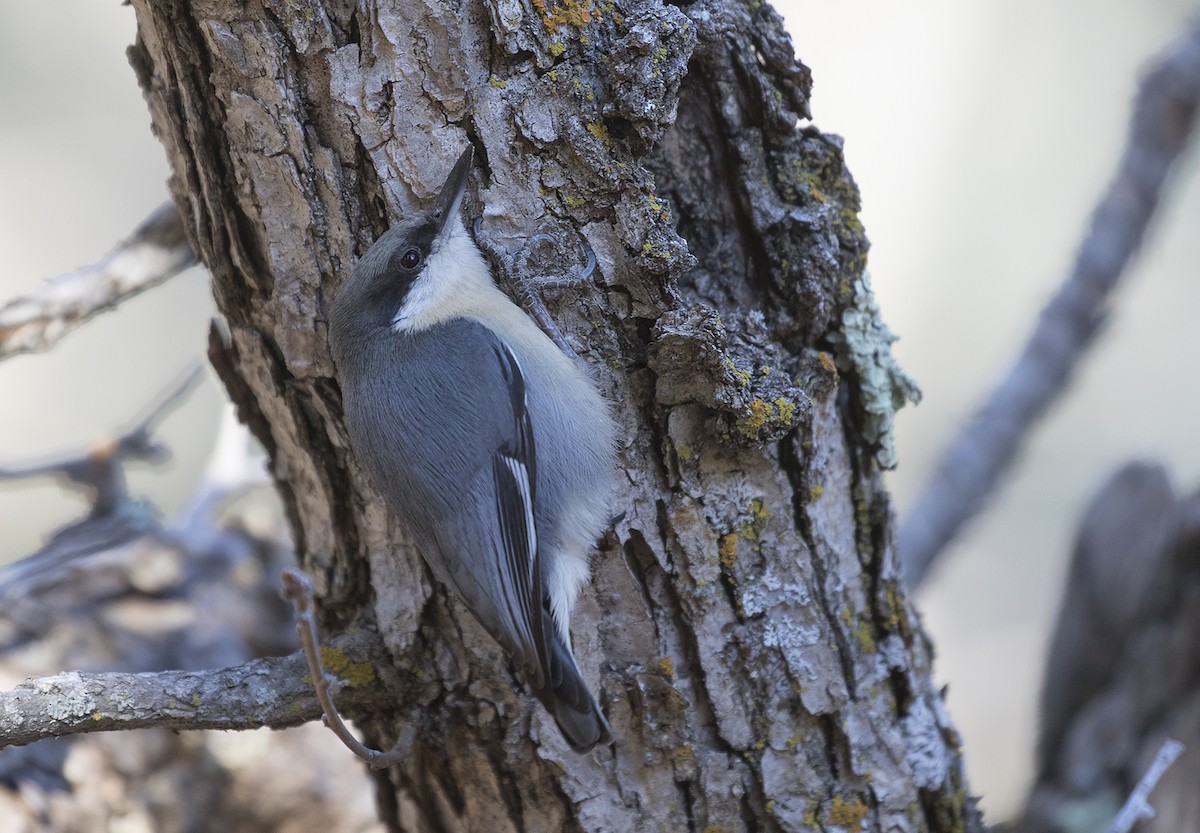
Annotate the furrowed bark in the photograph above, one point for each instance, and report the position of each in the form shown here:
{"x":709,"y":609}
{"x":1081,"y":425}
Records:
{"x":746,"y":628}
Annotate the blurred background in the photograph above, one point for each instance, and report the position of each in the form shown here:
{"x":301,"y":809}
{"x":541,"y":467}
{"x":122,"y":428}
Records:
{"x":981,"y":135}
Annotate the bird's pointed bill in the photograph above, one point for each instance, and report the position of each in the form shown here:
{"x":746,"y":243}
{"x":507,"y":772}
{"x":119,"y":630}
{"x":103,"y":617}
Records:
{"x":450,"y":199}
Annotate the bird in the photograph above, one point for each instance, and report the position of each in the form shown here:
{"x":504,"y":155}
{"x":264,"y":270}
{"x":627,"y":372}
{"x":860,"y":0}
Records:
{"x":494,"y":448}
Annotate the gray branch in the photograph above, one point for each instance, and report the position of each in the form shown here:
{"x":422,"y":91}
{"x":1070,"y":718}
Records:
{"x":1138,"y":806}
{"x":1160,"y":127}
{"x":274,"y":692}
{"x":157,"y":250}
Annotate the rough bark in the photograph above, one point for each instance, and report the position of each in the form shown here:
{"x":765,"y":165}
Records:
{"x":746,"y":628}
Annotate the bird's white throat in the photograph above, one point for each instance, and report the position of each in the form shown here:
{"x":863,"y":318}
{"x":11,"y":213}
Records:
{"x":454,"y":275}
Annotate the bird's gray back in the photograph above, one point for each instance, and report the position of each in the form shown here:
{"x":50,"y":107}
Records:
{"x":426,"y":411}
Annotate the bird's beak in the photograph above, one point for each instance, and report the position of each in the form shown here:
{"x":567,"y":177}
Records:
{"x":449,"y":201}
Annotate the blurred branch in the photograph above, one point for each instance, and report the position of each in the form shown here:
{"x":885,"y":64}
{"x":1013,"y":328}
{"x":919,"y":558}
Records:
{"x":157,"y":250}
{"x":235,"y":466}
{"x":115,"y":518}
{"x":274,"y":692}
{"x":1160,"y":127}
{"x":99,"y":469}
{"x":1138,"y":807}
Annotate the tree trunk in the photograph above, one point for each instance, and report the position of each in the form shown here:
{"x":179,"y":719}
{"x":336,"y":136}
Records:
{"x":745,"y":630}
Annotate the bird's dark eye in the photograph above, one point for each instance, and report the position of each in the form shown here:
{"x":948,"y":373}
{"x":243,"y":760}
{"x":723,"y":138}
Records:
{"x":411,"y":258}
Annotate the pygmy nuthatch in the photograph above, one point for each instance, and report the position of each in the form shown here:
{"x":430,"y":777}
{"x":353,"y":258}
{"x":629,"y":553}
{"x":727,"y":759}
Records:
{"x":484,"y":438}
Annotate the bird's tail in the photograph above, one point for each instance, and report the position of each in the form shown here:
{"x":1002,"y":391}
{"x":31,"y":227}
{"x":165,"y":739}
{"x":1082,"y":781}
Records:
{"x":565,"y":695}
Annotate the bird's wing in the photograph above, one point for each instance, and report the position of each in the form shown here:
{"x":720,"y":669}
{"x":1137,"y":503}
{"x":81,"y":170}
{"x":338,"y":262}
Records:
{"x":558,"y":682}
{"x":444,"y":425}
{"x":514,"y":471}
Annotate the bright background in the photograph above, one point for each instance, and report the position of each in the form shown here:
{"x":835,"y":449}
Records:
{"x":981,"y":135}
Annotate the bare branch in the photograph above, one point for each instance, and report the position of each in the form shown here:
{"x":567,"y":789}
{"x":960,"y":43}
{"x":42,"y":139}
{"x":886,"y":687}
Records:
{"x":157,"y":250}
{"x":272,"y":692}
{"x":168,"y":401}
{"x":1160,"y":127}
{"x":1137,"y":807}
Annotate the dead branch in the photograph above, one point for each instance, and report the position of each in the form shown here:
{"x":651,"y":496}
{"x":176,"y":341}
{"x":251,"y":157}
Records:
{"x":1138,"y":806}
{"x":1160,"y":127}
{"x":274,"y":692}
{"x":157,"y":250}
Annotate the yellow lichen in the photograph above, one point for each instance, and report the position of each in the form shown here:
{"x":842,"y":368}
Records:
{"x":567,"y":13}
{"x":848,"y":814}
{"x":865,"y":635}
{"x":750,"y":424}
{"x":741,"y":376}
{"x":355,"y":673}
{"x":727,"y":550}
{"x":787,"y":410}
{"x":752,"y":527}
{"x":598,"y":129}
{"x":666,"y":665}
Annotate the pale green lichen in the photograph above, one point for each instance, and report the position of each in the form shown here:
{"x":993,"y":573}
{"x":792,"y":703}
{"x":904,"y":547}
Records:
{"x":67,"y":697}
{"x":864,"y":346}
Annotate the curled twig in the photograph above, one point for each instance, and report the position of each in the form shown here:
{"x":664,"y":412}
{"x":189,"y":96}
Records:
{"x":298,"y":589}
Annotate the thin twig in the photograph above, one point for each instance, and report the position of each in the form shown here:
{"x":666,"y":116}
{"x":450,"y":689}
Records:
{"x":298,"y":589}
{"x":157,"y":250}
{"x":99,"y":469}
{"x":266,"y":692}
{"x":1136,"y":806}
{"x":1160,"y":127}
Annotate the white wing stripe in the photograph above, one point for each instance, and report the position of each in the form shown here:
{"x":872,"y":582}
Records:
{"x":521,"y":475}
